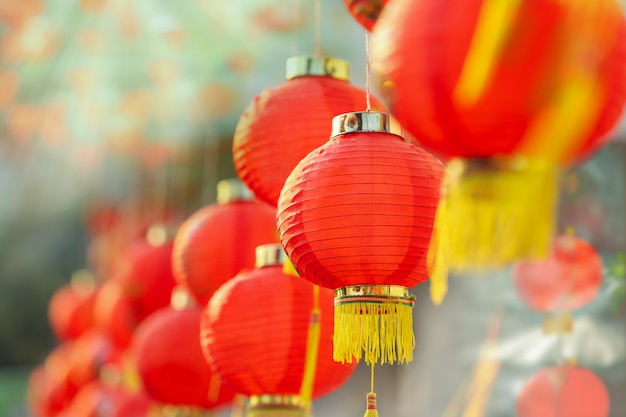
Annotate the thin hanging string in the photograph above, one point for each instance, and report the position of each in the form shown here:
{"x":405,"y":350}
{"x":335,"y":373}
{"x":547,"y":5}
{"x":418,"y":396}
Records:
{"x":372,"y":379}
{"x":318,"y":28}
{"x":297,"y":16}
{"x":367,"y":72}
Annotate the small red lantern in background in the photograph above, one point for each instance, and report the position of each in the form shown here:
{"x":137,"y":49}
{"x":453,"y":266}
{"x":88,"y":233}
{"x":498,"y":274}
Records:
{"x":146,"y":275}
{"x":169,"y":359}
{"x":138,"y":404}
{"x":90,"y":354}
{"x":255,"y":334}
{"x":218,"y":241}
{"x":71,"y":307}
{"x":569,"y":279}
{"x":567,"y":391}
{"x":288,"y":121}
{"x":365,"y":12}
{"x":45,"y":395}
{"x":115,"y":313}
{"x":97,"y":400}
{"x":507,"y":94}
{"x":356,"y":215}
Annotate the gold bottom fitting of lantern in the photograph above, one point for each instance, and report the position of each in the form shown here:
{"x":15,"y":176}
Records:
{"x":275,"y":406}
{"x":170,"y":410}
{"x":374,"y":322}
{"x":558,"y":323}
{"x":496,"y":211}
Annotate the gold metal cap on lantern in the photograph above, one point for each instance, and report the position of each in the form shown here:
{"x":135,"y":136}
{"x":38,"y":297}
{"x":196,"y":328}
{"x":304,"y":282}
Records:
{"x":367,"y":121}
{"x":309,"y":65}
{"x":233,"y":189}
{"x":270,"y":255}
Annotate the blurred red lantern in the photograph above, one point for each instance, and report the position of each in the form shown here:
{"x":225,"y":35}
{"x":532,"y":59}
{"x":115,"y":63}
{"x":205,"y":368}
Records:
{"x":90,"y":354}
{"x":286,"y":122}
{"x":146,"y":275}
{"x":356,"y":215}
{"x":568,"y":391}
{"x":254,"y":333}
{"x":170,"y":363}
{"x":115,"y":313}
{"x":569,"y":279}
{"x":510,"y":92}
{"x":218,"y":241}
{"x":45,"y":395}
{"x":71,"y":307}
{"x":365,"y":12}
{"x":97,"y":400}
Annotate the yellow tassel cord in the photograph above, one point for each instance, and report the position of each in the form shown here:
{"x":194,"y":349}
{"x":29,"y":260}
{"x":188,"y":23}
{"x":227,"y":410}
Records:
{"x":497,"y":211}
{"x":438,"y":262}
{"x":372,"y":407}
{"x":378,"y":327}
{"x":312,"y":348}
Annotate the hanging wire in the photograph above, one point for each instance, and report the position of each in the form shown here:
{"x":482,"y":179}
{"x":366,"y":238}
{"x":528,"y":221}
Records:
{"x":367,"y":71}
{"x":318,"y":28}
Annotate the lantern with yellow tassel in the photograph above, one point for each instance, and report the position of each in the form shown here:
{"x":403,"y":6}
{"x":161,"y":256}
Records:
{"x":510,"y":92}
{"x":269,"y":336}
{"x":356,"y":215}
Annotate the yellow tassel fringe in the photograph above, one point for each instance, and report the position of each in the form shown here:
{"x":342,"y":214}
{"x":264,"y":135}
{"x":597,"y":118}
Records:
{"x":380,"y":332}
{"x":494,"y":213}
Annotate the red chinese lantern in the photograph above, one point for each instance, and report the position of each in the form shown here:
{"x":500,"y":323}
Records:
{"x":563,"y":391}
{"x":265,"y":148}
{"x":115,"y":313}
{"x":256,"y":335}
{"x":569,"y":279}
{"x":136,"y":405}
{"x":90,"y":354}
{"x":218,"y":241}
{"x":45,"y":396}
{"x":356,"y":215}
{"x":170,"y":363}
{"x":71,"y":307}
{"x":146,"y":276}
{"x":97,"y":400}
{"x":365,"y":12}
{"x":507,"y":92}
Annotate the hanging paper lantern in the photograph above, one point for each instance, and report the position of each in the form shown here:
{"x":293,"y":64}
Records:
{"x":146,"y":275}
{"x":507,"y":92}
{"x":71,"y":307}
{"x":256,"y":334}
{"x":97,"y":400}
{"x":286,"y":122}
{"x":218,"y":241}
{"x":365,"y":12}
{"x":356,"y":215}
{"x":569,"y":279}
{"x":90,"y":354}
{"x":45,"y":396}
{"x":563,"y":391}
{"x":169,"y":360}
{"x":115,"y":313}
{"x":136,"y":405}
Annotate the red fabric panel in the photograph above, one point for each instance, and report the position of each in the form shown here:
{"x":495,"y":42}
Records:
{"x":283,"y":124}
{"x":360,"y":210}
{"x":254,"y":334}
{"x":218,"y":241}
